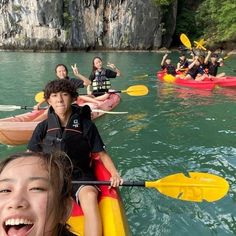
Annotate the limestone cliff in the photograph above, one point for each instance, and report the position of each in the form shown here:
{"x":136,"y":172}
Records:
{"x":84,"y":24}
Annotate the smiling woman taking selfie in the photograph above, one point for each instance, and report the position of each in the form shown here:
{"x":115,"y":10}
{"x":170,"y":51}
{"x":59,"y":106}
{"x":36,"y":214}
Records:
{"x":35,"y":195}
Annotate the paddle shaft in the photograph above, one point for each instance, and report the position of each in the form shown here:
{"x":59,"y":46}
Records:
{"x":143,"y":184}
{"x":96,"y":182}
{"x":27,"y":108}
{"x":14,"y":107}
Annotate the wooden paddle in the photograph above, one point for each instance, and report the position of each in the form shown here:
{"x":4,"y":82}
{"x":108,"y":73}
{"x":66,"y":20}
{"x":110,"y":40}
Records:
{"x":134,"y":90}
{"x":196,"y":187}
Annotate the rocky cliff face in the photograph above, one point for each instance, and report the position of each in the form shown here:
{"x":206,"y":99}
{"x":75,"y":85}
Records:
{"x":84,"y":24}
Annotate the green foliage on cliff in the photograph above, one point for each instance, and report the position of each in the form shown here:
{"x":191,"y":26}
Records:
{"x":163,"y":2}
{"x":217,"y":19}
{"x":66,"y":14}
{"x":186,"y":22}
{"x":213,"y":20}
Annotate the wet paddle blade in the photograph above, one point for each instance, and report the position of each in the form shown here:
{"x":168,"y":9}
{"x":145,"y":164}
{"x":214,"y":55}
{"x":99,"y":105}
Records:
{"x":185,"y":41}
{"x":39,"y":97}
{"x":199,"y":44}
{"x":136,"y":90}
{"x":169,"y":78}
{"x":196,"y":187}
{"x":10,"y":107}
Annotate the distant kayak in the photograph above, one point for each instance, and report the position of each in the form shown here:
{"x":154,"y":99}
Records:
{"x":206,"y":84}
{"x":17,"y":130}
{"x":226,"y":81}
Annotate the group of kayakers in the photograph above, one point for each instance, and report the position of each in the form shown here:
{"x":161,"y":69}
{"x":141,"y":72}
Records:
{"x":97,"y":84}
{"x":35,"y":186}
{"x":198,"y":68}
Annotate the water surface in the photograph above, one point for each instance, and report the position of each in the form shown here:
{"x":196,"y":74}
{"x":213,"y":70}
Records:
{"x":171,"y":130}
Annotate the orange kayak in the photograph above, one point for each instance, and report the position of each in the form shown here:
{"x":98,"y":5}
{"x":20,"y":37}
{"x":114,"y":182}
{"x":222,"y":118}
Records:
{"x":111,"y":208}
{"x":17,"y":130}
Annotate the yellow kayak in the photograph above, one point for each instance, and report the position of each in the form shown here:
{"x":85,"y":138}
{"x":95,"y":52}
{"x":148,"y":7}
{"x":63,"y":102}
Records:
{"x":111,"y":208}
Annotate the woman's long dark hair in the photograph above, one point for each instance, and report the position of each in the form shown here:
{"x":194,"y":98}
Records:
{"x":93,"y":67}
{"x":59,"y":168}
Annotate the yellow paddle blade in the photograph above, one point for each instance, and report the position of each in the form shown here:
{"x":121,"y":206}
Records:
{"x":136,"y":90}
{"x":199,"y":44}
{"x":197,"y":187}
{"x":39,"y":97}
{"x":169,"y":78}
{"x":185,"y":41}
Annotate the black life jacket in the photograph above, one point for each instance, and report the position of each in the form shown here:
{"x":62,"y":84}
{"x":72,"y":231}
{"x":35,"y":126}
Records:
{"x":71,"y":140}
{"x":101,"y":82}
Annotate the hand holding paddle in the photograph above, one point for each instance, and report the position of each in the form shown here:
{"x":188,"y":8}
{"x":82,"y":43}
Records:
{"x":196,"y":187}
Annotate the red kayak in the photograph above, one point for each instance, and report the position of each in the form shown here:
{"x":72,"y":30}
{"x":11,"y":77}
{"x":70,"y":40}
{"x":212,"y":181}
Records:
{"x":227,"y":81}
{"x":206,"y":84}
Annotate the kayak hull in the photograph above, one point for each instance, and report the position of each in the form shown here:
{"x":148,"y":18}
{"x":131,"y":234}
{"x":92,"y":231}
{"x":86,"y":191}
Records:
{"x":227,"y":81}
{"x":17,"y":130}
{"x":206,"y":85}
{"x":111,"y":209}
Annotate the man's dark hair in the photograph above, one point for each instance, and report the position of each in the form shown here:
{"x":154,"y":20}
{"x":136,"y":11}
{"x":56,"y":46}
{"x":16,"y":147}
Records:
{"x":60,"y":85}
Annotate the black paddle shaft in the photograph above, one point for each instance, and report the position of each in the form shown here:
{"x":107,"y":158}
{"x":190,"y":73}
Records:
{"x":95,"y":182}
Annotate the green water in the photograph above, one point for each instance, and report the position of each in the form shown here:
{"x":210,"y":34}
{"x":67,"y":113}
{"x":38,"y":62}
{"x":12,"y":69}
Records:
{"x":171,"y":130}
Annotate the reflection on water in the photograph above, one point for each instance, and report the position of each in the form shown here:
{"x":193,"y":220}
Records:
{"x":136,"y":122}
{"x":171,"y":130}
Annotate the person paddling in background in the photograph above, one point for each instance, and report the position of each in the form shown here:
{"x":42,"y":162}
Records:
{"x":35,"y":194}
{"x":100,"y":77}
{"x":212,"y":66}
{"x":196,"y":69}
{"x":67,"y":129}
{"x":167,"y":66}
{"x":81,"y":81}
{"x":183,"y":63}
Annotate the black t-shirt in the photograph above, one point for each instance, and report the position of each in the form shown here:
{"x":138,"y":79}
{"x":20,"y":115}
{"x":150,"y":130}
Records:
{"x":213,"y":68}
{"x":77,"y":83}
{"x":108,"y":74}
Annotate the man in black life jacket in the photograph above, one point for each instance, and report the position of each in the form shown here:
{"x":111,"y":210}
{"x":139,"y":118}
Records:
{"x":68,"y":129}
{"x":167,"y":66}
{"x":212,"y":65}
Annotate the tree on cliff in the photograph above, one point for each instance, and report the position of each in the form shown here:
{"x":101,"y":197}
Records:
{"x":218,"y":20}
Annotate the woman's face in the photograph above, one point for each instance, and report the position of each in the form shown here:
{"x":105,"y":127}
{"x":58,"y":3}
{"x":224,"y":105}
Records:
{"x":26,"y":199}
{"x":61,"y":72}
{"x":97,"y":63}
